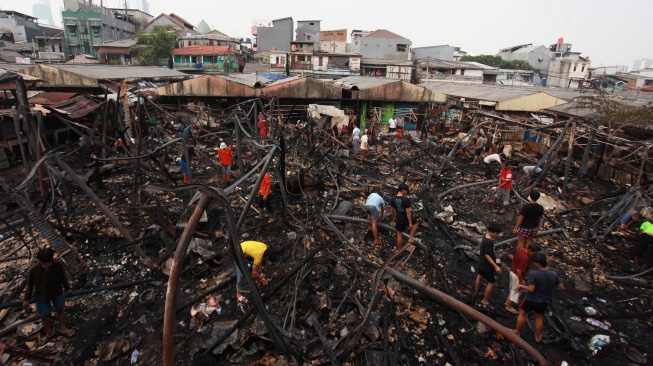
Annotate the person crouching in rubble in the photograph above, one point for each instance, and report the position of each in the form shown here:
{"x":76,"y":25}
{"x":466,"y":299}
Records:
{"x":539,"y":294}
{"x":257,"y":252}
{"x":402,"y":215}
{"x":487,"y":265}
{"x":643,"y":248}
{"x":265,"y":201}
{"x":375,"y":207}
{"x":47,"y":281}
{"x":226,"y":159}
{"x":628,"y":219}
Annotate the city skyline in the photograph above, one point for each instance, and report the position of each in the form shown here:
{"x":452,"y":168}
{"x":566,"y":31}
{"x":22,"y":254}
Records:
{"x":603,"y":30}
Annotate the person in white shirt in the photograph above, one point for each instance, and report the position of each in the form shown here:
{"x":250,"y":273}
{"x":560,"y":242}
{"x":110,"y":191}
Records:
{"x":365,"y":144}
{"x":400,"y":122}
{"x":355,"y":139}
{"x":392,"y":124}
{"x":488,"y":161}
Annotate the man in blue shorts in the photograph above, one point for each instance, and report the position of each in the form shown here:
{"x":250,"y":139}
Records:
{"x":539,"y":294}
{"x":47,"y":282}
{"x":375,"y":207}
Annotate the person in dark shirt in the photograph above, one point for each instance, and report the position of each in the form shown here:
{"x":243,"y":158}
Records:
{"x":46,"y":282}
{"x":518,"y":271}
{"x":402,"y":215}
{"x":185,"y":166}
{"x":487,"y":265}
{"x":529,"y":220}
{"x":541,"y":284}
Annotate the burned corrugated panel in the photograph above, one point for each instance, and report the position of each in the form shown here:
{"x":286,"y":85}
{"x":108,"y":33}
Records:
{"x":302,"y":88}
{"x":51,"y":98}
{"x":77,"y":107}
{"x":209,"y":86}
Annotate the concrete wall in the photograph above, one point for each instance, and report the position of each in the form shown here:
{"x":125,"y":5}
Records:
{"x":334,"y":41}
{"x":533,"y":102}
{"x":308,"y":30}
{"x":279,"y":36}
{"x":385,"y":48}
{"x":435,"y":52}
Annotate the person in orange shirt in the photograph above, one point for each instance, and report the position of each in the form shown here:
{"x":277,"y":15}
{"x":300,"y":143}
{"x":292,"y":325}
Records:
{"x":262,"y":129}
{"x":226,"y":159}
{"x":265,"y":201}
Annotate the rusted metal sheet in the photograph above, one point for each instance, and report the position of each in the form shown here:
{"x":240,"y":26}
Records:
{"x":57,"y":78}
{"x":76,"y":107}
{"x":302,"y":88}
{"x":51,"y":98}
{"x":208,"y":86}
{"x":399,"y":91}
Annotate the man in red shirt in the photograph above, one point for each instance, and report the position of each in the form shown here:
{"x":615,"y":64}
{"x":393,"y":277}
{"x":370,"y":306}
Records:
{"x":226,"y":159}
{"x":503,"y":190}
{"x":265,"y":200}
{"x":518,"y":270}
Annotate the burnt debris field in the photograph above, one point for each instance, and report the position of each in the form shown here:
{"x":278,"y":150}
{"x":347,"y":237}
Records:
{"x":152,"y":259}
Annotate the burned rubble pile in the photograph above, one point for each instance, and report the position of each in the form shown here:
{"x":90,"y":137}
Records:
{"x":154,"y":257}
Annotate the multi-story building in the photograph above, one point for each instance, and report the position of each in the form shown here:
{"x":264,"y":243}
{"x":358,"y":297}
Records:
{"x":642,"y":63}
{"x":304,"y":59}
{"x":87,"y":25}
{"x":443,"y":52}
{"x":38,"y":42}
{"x":334,"y":41}
{"x":42,"y":10}
{"x":382,"y":44}
{"x":308,"y":30}
{"x":200,"y":59}
{"x":178,"y":24}
{"x":567,"y":69}
{"x":539,"y":57}
{"x":275,"y":37}
{"x":214,"y":38}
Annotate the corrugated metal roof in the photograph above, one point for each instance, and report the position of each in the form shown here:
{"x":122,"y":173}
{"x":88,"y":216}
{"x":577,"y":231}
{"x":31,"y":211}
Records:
{"x":14,"y":67}
{"x":285,"y":80}
{"x":480,"y":91}
{"x":527,"y":49}
{"x":111,"y":72}
{"x":25,"y":77}
{"x":385,"y":62}
{"x":252,"y":80}
{"x":51,"y":98}
{"x":77,"y":107}
{"x":443,"y":64}
{"x":119,"y":44}
{"x":363,"y":82}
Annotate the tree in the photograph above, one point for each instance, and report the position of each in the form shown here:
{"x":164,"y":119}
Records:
{"x":150,"y":47}
{"x":614,"y":113}
{"x":497,"y":61}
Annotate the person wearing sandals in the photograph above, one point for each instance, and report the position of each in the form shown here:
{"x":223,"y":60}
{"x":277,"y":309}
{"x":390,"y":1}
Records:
{"x":539,"y":294}
{"x":402,"y":215}
{"x":257,"y":251}
{"x":529,"y":219}
{"x":518,"y":270}
{"x":46,"y":281}
{"x":375,"y":207}
{"x":487,"y":266}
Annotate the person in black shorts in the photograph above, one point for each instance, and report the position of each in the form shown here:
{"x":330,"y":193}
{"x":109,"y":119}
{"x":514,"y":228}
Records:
{"x":487,"y":266}
{"x":402,"y":215}
{"x":539,"y":294}
{"x":530,"y":217}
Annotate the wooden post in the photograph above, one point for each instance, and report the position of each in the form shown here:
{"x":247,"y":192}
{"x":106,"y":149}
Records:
{"x":570,"y":154}
{"x":641,"y":167}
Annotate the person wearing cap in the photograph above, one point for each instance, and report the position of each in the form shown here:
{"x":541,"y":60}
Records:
{"x":226,"y":159}
{"x":402,"y":215}
{"x":365,"y":144}
{"x":487,"y":266}
{"x":375,"y":207}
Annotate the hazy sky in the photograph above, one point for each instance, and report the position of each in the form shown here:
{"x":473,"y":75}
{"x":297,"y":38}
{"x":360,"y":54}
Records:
{"x":614,"y":32}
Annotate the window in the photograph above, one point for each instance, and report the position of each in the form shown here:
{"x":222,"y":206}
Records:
{"x":402,"y":48}
{"x":575,"y":66}
{"x":582,"y":68}
{"x":72,"y":30}
{"x":96,"y":31}
{"x":320,"y":61}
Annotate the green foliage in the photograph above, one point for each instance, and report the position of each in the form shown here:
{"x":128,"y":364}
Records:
{"x":497,"y":61}
{"x":152,"y":46}
{"x":614,"y":113}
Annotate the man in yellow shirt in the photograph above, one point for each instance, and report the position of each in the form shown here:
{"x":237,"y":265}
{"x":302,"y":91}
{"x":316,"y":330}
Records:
{"x":256,"y":251}
{"x":644,"y":246}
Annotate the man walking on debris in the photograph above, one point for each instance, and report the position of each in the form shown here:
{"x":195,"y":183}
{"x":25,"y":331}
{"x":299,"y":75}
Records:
{"x":530,"y":217}
{"x":365,"y":144}
{"x":402,"y":215}
{"x":257,"y":252}
{"x":226,"y":159}
{"x":186,"y":166}
{"x":503,"y":190}
{"x":392,"y":124}
{"x":47,"y":282}
{"x":478,"y":148}
{"x":375,"y":207}
{"x":424,"y":128}
{"x":355,"y":139}
{"x":521,"y":260}
{"x":265,"y":201}
{"x":487,"y":265}
{"x":539,"y":294}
